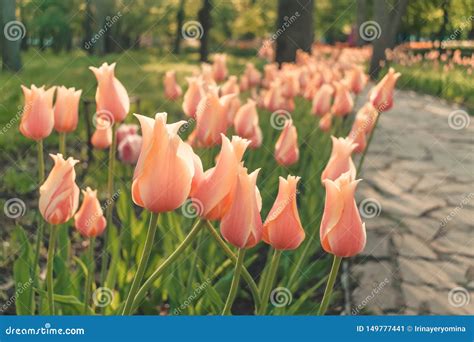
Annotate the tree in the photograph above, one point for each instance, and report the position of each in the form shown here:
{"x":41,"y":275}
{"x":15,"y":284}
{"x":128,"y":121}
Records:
{"x":179,"y":25}
{"x":361,"y":18}
{"x":294,"y":28}
{"x":12,"y":33}
{"x":204,"y":17}
{"x":388,"y":19}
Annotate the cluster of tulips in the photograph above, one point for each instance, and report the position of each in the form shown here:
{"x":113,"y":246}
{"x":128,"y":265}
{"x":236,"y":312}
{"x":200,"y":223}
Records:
{"x":169,"y":173}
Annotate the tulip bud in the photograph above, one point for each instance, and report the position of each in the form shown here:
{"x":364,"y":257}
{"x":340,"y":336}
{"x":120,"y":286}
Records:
{"x":66,"y":109}
{"x":193,"y":95}
{"x":59,"y":194}
{"x":219,"y":68}
{"x":322,"y":100}
{"x":381,"y":96}
{"x":124,"y":130}
{"x":241,"y":226}
{"x":343,"y":102}
{"x":172,"y":89}
{"x":211,"y":120}
{"x":90,"y":220}
{"x":342,"y":232}
{"x":129,"y":149}
{"x":340,"y":161}
{"x":37,"y":120}
{"x":282,"y":228}
{"x":286,"y":147}
{"x":325,"y":122}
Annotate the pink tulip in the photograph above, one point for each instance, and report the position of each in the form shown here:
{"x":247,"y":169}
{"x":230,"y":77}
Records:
{"x":37,"y":120}
{"x":340,"y":161}
{"x":230,"y":87}
{"x":322,"y":100}
{"x":219,"y":67}
{"x":163,"y":153}
{"x":342,"y":232}
{"x":270,"y":73}
{"x":211,"y":120}
{"x":241,"y":226}
{"x":325,"y":122}
{"x":59,"y":194}
{"x":102,"y":137}
{"x":357,"y":135}
{"x":172,"y":89}
{"x":343,"y":102}
{"x":212,"y":192}
{"x":381,"y":96}
{"x":111,"y":96}
{"x":246,"y":120}
{"x":357,"y":80}
{"x":273,"y":99}
{"x":66,"y":109}
{"x":125,"y":130}
{"x":286,"y":147}
{"x":253,"y":75}
{"x":90,"y":220}
{"x":129,"y":149}
{"x":193,"y":96}
{"x":282,"y":228}
{"x":230,"y":105}
{"x":368,"y":115}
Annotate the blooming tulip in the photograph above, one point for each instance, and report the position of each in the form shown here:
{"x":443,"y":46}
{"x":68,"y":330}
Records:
{"x":342,"y":231}
{"x":66,"y":109}
{"x":111,"y":96}
{"x":340,"y":161}
{"x":322,"y":100}
{"x":343,"y":102}
{"x":90,"y":220}
{"x":172,"y":89}
{"x":212,"y":193}
{"x":163,"y":153}
{"x":241,"y":226}
{"x":230,"y":87}
{"x":246,"y":120}
{"x":282,"y":228}
{"x":129,"y":149}
{"x":37,"y":120}
{"x":230,"y":105}
{"x":286,"y":147}
{"x":381,"y":96}
{"x":193,"y":95}
{"x":59,"y":194}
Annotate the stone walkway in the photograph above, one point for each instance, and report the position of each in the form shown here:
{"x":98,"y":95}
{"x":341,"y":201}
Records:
{"x":418,"y":201}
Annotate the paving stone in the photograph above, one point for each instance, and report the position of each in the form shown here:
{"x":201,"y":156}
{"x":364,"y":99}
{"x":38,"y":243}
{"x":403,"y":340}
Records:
{"x":424,"y":273}
{"x":377,"y":245}
{"x":410,"y":246}
{"x":425,"y":228}
{"x":410,"y":205}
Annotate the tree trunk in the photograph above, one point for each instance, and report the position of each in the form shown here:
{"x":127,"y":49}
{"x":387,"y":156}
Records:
{"x":294,"y":28}
{"x":87,"y":26}
{"x":389,"y":23}
{"x":204,"y":17}
{"x":179,"y":25}
{"x":361,"y":18}
{"x":11,"y":36}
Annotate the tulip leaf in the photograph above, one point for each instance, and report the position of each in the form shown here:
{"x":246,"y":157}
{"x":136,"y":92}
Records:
{"x":22,"y":273}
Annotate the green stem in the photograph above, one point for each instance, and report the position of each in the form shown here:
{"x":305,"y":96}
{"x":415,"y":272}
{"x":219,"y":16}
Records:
{"x":109,"y":209}
{"x":362,"y":158}
{"x":40,"y":234}
{"x":164,"y":265}
{"x":245,"y":274}
{"x":194,"y":263}
{"x":235,"y":282}
{"x":90,"y":275}
{"x":269,"y":281}
{"x":150,"y":237}
{"x":49,"y":272}
{"x":329,"y":286}
{"x":62,"y":144}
